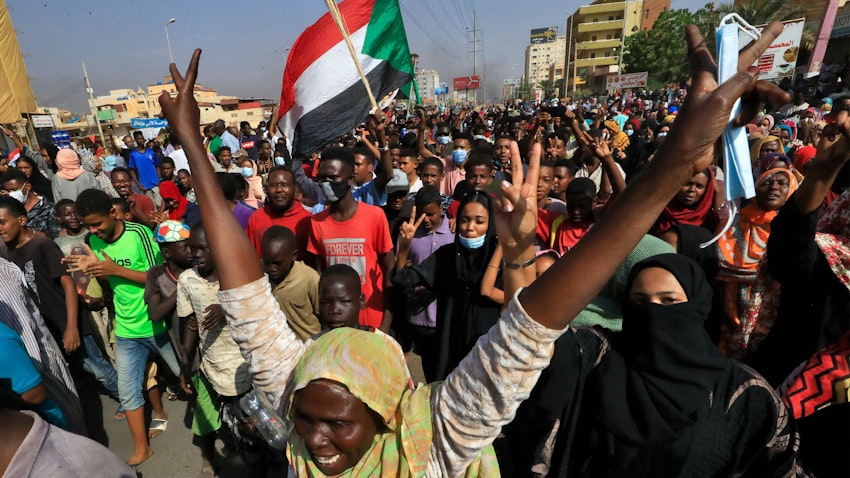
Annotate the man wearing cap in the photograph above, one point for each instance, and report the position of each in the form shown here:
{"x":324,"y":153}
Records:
{"x":249,"y":141}
{"x":398,"y":208}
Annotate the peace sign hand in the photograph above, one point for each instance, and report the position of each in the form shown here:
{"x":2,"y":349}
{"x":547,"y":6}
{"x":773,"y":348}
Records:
{"x":409,"y":227}
{"x":708,"y":105}
{"x":182,"y":111}
{"x":516,"y":220}
{"x":601,"y":148}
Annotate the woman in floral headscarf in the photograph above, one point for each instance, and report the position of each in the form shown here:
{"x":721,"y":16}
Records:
{"x":741,"y":247}
{"x":94,"y":166}
{"x":617,"y":138}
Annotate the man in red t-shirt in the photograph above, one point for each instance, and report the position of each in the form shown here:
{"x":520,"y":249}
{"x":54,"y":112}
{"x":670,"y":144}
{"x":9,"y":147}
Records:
{"x":280,"y":209}
{"x":352,"y":233}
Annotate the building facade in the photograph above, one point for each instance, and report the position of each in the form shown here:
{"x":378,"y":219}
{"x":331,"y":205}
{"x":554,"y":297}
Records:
{"x":597,"y":34}
{"x":545,"y":61}
{"x":427,"y":81}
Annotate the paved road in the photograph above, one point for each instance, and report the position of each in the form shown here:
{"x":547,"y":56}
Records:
{"x":174,"y":454}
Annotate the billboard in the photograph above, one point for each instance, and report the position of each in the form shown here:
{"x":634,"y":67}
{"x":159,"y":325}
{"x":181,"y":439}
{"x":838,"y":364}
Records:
{"x":780,"y":58}
{"x":467,"y":83}
{"x":543,"y":35}
{"x":441,"y":90}
{"x":628,"y":80}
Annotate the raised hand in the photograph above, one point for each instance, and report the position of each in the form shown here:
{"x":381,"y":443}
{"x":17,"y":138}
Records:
{"x":834,"y":143}
{"x":708,"y":105}
{"x":409,"y":227}
{"x":601,"y":148}
{"x":516,"y":221}
{"x":182,"y":111}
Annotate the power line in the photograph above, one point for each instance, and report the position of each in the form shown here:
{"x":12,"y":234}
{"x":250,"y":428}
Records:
{"x":426,"y":32}
{"x":73,"y":89}
{"x":442,"y":26}
{"x":457,"y":22}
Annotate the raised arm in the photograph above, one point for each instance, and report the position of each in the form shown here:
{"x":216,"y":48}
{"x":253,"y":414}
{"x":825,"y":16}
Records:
{"x":257,"y":324}
{"x":237,"y":262}
{"x":420,"y":136}
{"x":829,"y":159}
{"x":523,"y":338}
{"x":688,"y":149}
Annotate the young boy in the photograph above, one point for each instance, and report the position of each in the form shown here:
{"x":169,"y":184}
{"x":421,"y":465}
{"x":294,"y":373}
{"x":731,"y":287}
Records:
{"x":354,"y":233}
{"x":122,"y":209}
{"x":432,"y":234}
{"x":408,"y":163}
{"x":562,"y":232}
{"x":479,"y":177}
{"x":294,"y":284}
{"x":340,"y":298}
{"x":92,"y":310}
{"x":161,"y":285}
{"x":544,"y":189}
{"x":431,"y":174}
{"x":123,"y":252}
{"x":565,"y":171}
{"x":223,"y":376}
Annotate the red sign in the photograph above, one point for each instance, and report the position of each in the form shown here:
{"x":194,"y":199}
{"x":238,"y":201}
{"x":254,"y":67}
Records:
{"x":467,"y":83}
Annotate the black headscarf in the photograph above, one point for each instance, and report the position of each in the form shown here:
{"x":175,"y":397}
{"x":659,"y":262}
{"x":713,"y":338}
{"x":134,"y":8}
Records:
{"x":40,"y":184}
{"x":664,"y":366}
{"x":471,"y":264}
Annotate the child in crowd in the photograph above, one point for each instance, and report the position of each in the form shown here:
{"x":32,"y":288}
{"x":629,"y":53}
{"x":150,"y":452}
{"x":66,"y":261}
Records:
{"x":562,"y":232}
{"x":294,"y":284}
{"x":431,"y":233}
{"x":122,"y":253}
{"x":166,"y":168}
{"x":223,"y":376}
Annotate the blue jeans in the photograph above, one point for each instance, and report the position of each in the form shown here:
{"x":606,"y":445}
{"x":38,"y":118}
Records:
{"x":102,"y":369}
{"x":131,"y":356}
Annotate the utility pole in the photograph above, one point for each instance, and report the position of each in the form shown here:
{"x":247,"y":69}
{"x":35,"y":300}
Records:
{"x":91,"y":105}
{"x":475,"y":42}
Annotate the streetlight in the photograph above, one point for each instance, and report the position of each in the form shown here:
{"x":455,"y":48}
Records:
{"x":168,"y":40}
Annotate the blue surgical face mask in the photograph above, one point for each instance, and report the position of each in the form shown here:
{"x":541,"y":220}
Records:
{"x":630,"y":132}
{"x":279,"y":161}
{"x":473,"y":243}
{"x":247,"y":172}
{"x":444,"y":139}
{"x":459,"y":155}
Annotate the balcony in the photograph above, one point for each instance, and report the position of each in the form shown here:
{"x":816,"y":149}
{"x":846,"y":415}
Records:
{"x":602,"y":8}
{"x":603,"y":61}
{"x":598,"y":44}
{"x":608,"y":25}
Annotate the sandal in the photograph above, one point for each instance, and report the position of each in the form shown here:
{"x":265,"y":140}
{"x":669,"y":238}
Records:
{"x":170,"y":396}
{"x":119,"y":416}
{"x":158,"y":425}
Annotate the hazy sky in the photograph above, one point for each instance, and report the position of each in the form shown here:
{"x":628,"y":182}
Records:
{"x":123,"y":43}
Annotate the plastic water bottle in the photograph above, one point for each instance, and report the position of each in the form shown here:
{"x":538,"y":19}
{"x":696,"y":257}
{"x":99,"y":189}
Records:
{"x":265,"y":420}
{"x":80,"y":278}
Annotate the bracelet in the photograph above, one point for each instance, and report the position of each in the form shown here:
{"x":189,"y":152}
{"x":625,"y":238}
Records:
{"x":518,"y":265}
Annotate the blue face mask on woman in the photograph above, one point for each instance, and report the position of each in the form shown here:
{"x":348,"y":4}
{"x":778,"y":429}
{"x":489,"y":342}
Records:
{"x":247,"y":172}
{"x":473,"y":243}
{"x":630,"y":132}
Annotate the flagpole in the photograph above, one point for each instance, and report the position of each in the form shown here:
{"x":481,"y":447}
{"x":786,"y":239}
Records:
{"x":340,"y":23}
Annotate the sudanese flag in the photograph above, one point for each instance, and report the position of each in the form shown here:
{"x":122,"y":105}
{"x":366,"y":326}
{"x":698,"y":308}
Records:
{"x":322,"y":96}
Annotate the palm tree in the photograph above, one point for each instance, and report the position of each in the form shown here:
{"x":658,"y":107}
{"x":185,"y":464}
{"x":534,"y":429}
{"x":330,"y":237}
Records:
{"x":766,"y":11}
{"x":548,"y":86}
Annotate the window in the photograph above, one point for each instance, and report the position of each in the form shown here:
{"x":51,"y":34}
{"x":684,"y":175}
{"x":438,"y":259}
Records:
{"x":608,"y":36}
{"x":611,"y":18}
{"x":646,"y":15}
{"x":595,"y":20}
{"x":593,"y":38}
{"x":593,"y":55}
{"x":607,"y":54}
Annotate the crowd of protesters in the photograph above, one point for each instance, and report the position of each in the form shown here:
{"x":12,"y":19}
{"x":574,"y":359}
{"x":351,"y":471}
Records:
{"x":584,"y":299}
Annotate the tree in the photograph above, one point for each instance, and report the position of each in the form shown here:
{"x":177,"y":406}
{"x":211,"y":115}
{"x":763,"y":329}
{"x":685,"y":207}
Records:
{"x":661,"y":50}
{"x":548,"y":87}
{"x":525,"y":90}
